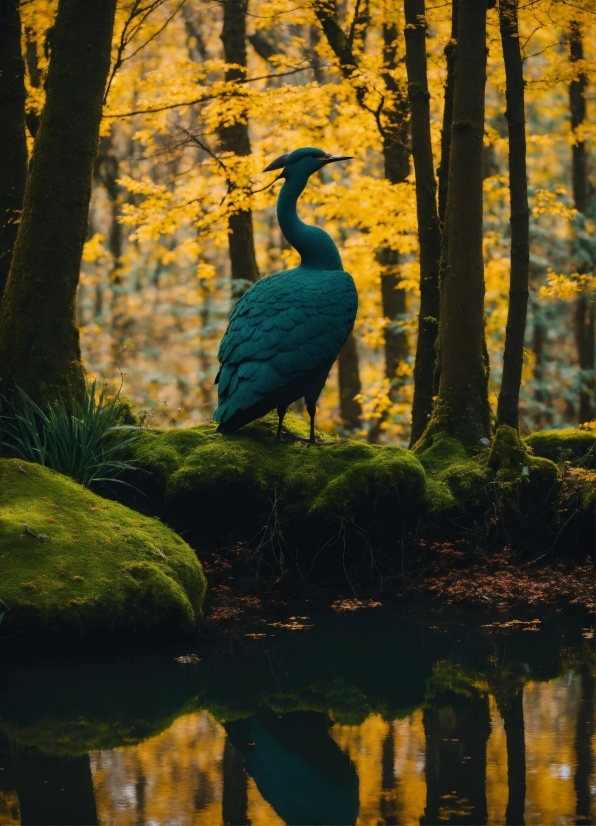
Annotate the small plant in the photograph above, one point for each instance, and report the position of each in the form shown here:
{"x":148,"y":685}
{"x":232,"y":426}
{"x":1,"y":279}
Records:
{"x":76,"y":438}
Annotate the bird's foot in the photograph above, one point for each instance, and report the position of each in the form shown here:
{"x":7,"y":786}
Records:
{"x":288,"y":438}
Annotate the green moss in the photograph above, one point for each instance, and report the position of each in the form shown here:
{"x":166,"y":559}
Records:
{"x":234,"y":485}
{"x":557,"y":445}
{"x":101,"y":569}
{"x":455,"y":478}
{"x":511,"y":462}
{"x":508,"y":455}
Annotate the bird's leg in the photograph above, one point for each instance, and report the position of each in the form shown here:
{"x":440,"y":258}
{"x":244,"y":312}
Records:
{"x":281,"y":412}
{"x":312,"y":409}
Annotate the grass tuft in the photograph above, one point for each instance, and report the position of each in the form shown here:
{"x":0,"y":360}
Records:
{"x":79,"y":439}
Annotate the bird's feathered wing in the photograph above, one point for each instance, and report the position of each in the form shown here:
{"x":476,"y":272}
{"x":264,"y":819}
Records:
{"x":286,"y":325}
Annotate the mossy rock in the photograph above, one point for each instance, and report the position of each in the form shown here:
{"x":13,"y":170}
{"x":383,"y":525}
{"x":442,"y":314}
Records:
{"x":233,"y":487}
{"x":558,"y":445}
{"x":97,"y":568}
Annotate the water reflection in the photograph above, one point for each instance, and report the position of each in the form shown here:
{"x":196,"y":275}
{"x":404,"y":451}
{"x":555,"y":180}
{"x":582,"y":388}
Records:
{"x":371,"y":719}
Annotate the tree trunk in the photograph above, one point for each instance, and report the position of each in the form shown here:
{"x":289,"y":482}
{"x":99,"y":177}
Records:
{"x":462,"y":408}
{"x":393,"y":299}
{"x":584,"y":308}
{"x":429,"y":235}
{"x":107,"y":172}
{"x":512,"y":712}
{"x":539,"y":343}
{"x":513,"y":357}
{"x":349,"y":384}
{"x":584,"y":335}
{"x":396,"y":158}
{"x":235,"y":139}
{"x":39,"y":339}
{"x":450,"y":59}
{"x":13,"y":144}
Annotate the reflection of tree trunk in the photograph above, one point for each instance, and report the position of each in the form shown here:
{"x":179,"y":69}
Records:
{"x":13,"y":146}
{"x":8,"y":792}
{"x":235,"y":799}
{"x":31,"y":116}
{"x":512,"y":712}
{"x":583,"y":748}
{"x":456,"y":740}
{"x":53,"y":790}
{"x":388,"y":802}
{"x":235,"y":139}
{"x":349,"y":383}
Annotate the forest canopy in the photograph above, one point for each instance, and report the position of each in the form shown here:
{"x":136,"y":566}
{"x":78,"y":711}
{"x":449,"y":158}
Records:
{"x":196,"y":98}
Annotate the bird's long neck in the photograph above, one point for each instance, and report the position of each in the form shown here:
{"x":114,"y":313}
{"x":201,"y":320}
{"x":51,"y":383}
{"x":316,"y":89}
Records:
{"x":317,"y":249}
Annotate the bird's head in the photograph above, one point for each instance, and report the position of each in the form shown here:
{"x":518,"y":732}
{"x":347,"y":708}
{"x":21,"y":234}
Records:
{"x":303,"y":162}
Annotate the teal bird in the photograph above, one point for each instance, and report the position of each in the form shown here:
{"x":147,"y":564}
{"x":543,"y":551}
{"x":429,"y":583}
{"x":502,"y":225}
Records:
{"x":287,"y":329}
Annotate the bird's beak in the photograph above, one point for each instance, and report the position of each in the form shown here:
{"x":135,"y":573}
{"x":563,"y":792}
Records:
{"x":333,"y":158}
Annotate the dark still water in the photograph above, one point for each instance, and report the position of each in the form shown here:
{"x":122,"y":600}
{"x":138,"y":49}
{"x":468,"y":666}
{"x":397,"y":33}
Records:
{"x":370,"y":717}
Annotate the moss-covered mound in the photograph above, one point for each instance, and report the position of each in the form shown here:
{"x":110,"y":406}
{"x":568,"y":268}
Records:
{"x":559,"y":445}
{"x":248,"y":486}
{"x":74,"y":563}
{"x":311,"y":503}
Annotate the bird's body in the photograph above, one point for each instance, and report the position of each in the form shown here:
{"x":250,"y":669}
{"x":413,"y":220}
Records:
{"x":287,"y":329}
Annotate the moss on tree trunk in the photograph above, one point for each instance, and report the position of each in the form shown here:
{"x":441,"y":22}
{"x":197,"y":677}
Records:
{"x":462,"y":408}
{"x":39,"y":339}
{"x":13,"y":145}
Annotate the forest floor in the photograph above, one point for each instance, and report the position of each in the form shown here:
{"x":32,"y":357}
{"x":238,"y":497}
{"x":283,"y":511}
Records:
{"x":448,"y":576}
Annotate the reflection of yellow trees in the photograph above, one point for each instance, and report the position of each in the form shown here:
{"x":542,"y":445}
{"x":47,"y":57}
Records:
{"x":180,"y":771}
{"x":404,"y":797}
{"x":550,"y":712}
